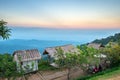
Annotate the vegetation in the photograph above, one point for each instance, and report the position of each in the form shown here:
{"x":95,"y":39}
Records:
{"x":112,"y":50}
{"x":4,"y":30}
{"x":87,"y":57}
{"x":109,"y":73}
{"x":84,"y":59}
{"x":7,"y":66}
{"x":66,"y":60}
{"x":104,"y":41}
{"x":44,"y":65}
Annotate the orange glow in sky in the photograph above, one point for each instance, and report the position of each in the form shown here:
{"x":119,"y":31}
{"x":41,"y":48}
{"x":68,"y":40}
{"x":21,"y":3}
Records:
{"x":61,"y":13}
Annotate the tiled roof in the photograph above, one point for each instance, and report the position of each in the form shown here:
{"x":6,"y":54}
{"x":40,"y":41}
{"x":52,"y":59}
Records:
{"x":26,"y":55}
{"x":66,"y":49}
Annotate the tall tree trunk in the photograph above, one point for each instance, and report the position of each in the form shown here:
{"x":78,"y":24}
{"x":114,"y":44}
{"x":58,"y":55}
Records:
{"x":68,"y":74}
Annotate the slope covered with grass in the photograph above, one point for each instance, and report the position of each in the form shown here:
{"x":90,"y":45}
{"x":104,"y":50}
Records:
{"x":109,"y":74}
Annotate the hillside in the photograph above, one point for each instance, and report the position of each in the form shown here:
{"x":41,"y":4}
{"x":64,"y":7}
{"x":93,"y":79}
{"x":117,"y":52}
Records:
{"x":104,"y":41}
{"x":109,"y":74}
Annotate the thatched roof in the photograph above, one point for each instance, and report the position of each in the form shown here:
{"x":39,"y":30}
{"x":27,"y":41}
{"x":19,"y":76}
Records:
{"x":26,"y":55}
{"x":66,"y":49}
{"x":95,"y":45}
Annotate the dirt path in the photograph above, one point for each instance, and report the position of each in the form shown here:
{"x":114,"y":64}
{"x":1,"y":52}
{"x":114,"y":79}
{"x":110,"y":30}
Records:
{"x":62,"y":75}
{"x":51,"y":75}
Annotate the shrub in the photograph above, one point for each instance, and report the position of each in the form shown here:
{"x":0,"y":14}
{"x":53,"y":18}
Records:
{"x":44,"y":65}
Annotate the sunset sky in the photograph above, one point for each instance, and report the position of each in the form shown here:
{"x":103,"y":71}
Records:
{"x":61,"y":13}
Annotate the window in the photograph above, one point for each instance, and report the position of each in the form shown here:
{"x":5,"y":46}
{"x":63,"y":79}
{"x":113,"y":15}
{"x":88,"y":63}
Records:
{"x":21,"y":63}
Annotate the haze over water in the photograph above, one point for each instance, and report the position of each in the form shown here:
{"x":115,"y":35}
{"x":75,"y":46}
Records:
{"x":78,"y":35}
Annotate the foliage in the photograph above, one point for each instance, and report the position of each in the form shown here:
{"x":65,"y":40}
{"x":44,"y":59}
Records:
{"x":84,"y":59}
{"x":87,"y":57}
{"x":44,"y":65}
{"x":66,"y":60}
{"x":112,"y":50}
{"x":103,"y":74}
{"x":104,"y":41}
{"x":7,"y":66}
{"x":4,"y":30}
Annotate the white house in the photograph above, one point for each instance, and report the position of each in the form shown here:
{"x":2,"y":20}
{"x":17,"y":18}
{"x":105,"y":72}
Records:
{"x":27,"y":60}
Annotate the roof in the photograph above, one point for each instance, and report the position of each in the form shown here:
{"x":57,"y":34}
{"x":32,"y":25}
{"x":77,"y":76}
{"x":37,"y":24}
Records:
{"x":95,"y":45}
{"x":27,"y":55}
{"x":66,"y":49}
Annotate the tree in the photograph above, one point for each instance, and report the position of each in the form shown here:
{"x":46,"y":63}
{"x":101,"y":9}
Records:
{"x":4,"y":30}
{"x":112,"y":50}
{"x":83,"y":59}
{"x":87,"y":57}
{"x":66,"y":60}
{"x":7,"y":66}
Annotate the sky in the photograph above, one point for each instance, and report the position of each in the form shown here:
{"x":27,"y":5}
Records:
{"x":83,"y":14}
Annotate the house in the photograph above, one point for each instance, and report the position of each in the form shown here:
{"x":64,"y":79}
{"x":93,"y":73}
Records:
{"x":52,"y":51}
{"x":102,"y":57}
{"x":95,"y":45}
{"x":27,"y":60}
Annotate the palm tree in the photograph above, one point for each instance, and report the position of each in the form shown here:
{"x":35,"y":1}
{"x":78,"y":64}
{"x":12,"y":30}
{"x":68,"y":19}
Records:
{"x":4,"y":30}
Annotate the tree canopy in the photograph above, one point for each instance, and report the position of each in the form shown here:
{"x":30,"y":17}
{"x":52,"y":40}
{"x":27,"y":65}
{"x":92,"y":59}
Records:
{"x":83,"y":59}
{"x":4,"y":30}
{"x":104,"y":41}
{"x":7,"y":66}
{"x":112,"y":50}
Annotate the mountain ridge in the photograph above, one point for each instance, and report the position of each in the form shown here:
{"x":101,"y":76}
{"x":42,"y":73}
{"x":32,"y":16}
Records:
{"x":104,"y":41}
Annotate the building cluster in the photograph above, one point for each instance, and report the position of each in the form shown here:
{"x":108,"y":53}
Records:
{"x":27,"y":60}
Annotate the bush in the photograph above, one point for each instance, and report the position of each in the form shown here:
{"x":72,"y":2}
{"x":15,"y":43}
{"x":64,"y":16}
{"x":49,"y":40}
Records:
{"x":112,"y":50}
{"x":7,"y":66}
{"x":44,"y":65}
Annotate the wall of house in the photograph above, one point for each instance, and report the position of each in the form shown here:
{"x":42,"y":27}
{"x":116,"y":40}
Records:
{"x":30,"y":65}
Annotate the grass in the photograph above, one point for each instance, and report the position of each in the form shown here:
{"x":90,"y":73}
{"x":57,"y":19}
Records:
{"x":107,"y":74}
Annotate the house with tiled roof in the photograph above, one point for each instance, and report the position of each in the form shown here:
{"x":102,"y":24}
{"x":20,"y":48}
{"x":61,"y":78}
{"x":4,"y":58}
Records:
{"x":27,"y":60}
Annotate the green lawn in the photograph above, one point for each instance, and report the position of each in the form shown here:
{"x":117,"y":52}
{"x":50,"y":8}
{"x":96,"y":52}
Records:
{"x":104,"y":75}
{"x":108,"y":75}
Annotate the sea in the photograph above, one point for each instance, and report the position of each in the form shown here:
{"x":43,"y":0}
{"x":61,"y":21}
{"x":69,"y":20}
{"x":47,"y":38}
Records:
{"x":23,"y":38}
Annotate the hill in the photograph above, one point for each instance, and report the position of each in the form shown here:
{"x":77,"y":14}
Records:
{"x":104,"y":41}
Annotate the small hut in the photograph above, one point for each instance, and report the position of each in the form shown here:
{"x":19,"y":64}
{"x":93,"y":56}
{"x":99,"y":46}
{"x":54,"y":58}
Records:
{"x":27,"y":60}
{"x":51,"y":51}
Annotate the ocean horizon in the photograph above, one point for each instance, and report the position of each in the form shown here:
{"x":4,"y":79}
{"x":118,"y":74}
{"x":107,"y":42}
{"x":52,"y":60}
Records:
{"x":57,"y":34}
{"x":40,"y":38}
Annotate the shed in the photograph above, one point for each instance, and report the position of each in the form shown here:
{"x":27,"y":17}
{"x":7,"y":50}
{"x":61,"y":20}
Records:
{"x":27,"y":60}
{"x":51,"y":51}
